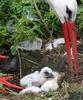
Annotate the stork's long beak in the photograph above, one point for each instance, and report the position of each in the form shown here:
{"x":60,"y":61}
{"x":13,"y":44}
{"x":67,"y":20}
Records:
{"x":3,"y":57}
{"x":69,"y":31}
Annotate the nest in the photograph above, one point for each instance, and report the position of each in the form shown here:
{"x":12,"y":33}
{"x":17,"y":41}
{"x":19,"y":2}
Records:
{"x":35,"y":60}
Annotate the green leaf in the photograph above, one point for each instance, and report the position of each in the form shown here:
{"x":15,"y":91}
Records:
{"x":1,"y":85}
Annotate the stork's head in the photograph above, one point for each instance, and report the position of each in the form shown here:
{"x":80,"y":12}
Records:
{"x":47,"y":72}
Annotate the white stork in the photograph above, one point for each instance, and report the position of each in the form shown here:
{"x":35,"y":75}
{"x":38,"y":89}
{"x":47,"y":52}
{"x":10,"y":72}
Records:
{"x":66,"y":11}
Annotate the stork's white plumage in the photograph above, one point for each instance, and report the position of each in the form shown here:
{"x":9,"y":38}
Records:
{"x":37,"y":78}
{"x":27,"y":80}
{"x":60,"y":7}
{"x":66,"y":11}
{"x":54,"y":44}
{"x":51,"y":84}
{"x":32,"y":89}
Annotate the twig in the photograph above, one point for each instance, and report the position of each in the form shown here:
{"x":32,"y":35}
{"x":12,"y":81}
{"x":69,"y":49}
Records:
{"x":20,"y":63}
{"x":80,"y":54}
{"x":40,"y":16}
{"x":32,"y":61}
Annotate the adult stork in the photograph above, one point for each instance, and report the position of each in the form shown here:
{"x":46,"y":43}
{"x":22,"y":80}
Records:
{"x":66,"y":11}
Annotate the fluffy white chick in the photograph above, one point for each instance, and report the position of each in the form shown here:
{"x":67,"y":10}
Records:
{"x":37,"y":78}
{"x":52,"y":84}
{"x":27,"y":80}
{"x":32,"y":89}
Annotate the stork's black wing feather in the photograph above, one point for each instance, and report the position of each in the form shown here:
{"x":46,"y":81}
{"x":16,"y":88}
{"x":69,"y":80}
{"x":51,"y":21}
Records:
{"x":79,"y":2}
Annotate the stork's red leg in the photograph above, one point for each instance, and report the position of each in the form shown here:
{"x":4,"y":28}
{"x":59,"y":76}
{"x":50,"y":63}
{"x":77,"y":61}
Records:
{"x":6,"y":77}
{"x":67,"y":42}
{"x":4,"y":90}
{"x":72,"y":33}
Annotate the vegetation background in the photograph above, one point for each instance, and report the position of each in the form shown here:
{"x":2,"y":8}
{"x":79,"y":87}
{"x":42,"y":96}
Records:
{"x":26,"y":19}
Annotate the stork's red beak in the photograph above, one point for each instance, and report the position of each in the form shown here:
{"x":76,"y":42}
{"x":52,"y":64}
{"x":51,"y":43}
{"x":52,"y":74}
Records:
{"x":5,"y":83}
{"x":3,"y":57}
{"x":69,"y":31}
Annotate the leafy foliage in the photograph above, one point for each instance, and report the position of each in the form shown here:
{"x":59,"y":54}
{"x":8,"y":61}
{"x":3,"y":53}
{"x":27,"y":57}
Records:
{"x":80,"y":21}
{"x":20,"y":20}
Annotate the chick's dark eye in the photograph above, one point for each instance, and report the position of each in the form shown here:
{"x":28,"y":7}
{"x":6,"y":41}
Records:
{"x":47,"y":73}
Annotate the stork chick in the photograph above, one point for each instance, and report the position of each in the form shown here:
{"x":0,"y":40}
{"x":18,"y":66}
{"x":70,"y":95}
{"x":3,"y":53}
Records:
{"x":37,"y":78}
{"x":32,"y":89}
{"x":52,"y":84}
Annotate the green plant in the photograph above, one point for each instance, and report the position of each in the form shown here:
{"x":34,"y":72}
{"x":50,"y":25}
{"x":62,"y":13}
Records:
{"x":26,"y":19}
{"x":80,"y":21}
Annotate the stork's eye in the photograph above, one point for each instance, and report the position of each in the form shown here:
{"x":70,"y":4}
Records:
{"x":47,"y":73}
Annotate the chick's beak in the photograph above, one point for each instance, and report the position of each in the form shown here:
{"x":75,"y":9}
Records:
{"x":50,"y":75}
